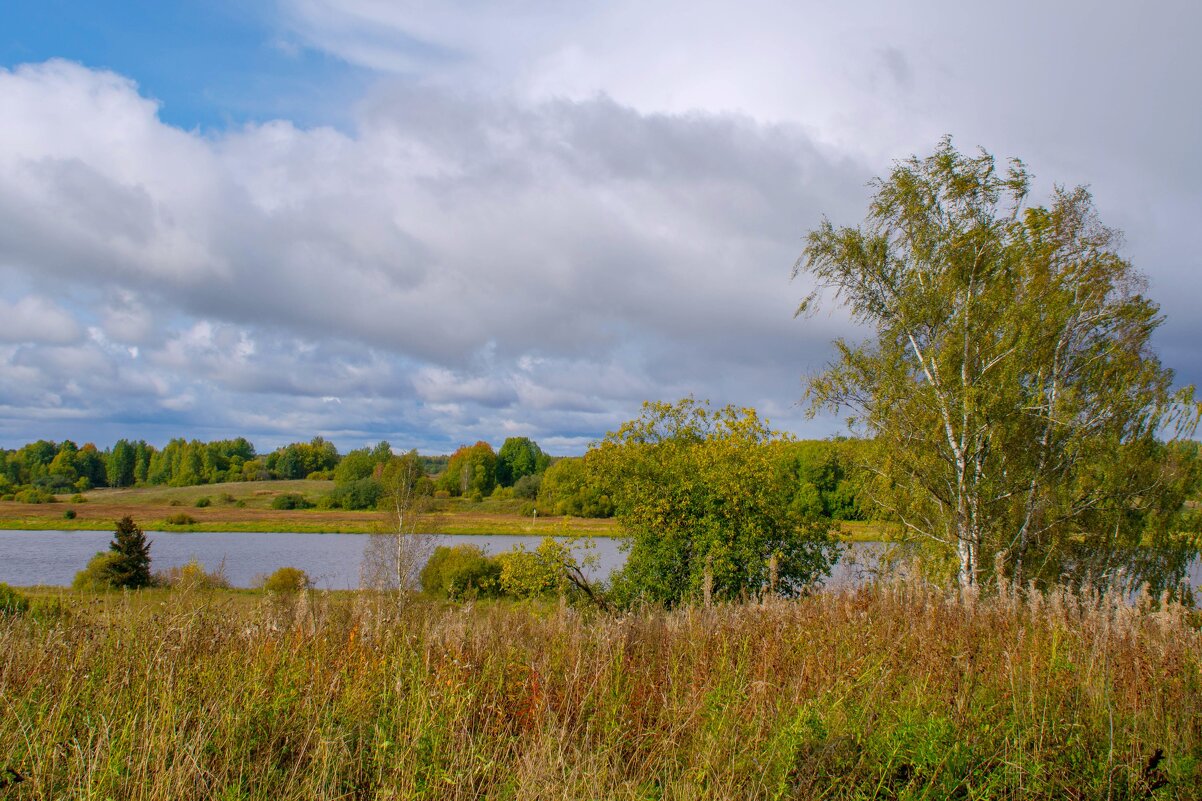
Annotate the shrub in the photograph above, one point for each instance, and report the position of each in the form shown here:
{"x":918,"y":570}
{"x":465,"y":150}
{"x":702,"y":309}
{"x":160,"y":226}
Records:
{"x":530,"y":574}
{"x":77,"y":498}
{"x":291,"y":500}
{"x":527,"y":486}
{"x":33,"y":495}
{"x":69,"y":514}
{"x":180,"y":519}
{"x":287,"y":580}
{"x":203,"y":501}
{"x":321,"y":475}
{"x":240,"y":504}
{"x":193,"y":576}
{"x":12,"y":602}
{"x":226,"y":498}
{"x":98,"y":575}
{"x":441,"y":494}
{"x":461,"y":571}
{"x":175,"y":502}
{"x":361,"y":494}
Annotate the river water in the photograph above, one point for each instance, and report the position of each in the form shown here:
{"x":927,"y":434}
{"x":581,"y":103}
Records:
{"x":52,"y":558}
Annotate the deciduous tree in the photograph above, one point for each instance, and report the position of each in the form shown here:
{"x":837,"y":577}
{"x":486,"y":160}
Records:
{"x":1019,"y":413}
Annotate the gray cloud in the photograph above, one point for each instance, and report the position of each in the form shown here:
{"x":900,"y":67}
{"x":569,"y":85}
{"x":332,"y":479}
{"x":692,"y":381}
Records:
{"x":537,"y":218}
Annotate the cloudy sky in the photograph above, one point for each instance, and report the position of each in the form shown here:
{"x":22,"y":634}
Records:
{"x":436,"y":222}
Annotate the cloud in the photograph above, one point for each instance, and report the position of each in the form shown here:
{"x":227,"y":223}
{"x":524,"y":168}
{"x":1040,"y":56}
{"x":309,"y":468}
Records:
{"x":36,"y":319}
{"x":539,"y":216}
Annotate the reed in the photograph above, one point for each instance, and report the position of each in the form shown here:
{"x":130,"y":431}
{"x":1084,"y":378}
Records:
{"x":887,"y":691}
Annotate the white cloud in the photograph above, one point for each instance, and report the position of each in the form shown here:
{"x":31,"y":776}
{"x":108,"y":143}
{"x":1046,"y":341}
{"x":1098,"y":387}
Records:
{"x":36,"y":319}
{"x":543,"y":214}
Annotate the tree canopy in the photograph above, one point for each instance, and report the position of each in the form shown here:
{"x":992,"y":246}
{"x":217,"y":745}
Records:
{"x":706,"y":506}
{"x":1019,"y":414}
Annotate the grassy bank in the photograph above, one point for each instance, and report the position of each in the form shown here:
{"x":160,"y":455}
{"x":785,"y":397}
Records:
{"x":877,"y":693}
{"x":246,"y":506}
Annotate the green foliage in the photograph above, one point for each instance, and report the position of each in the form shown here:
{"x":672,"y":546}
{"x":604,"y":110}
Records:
{"x":300,"y":459}
{"x":291,"y":500}
{"x":203,"y":501}
{"x":471,"y":471}
{"x":287,"y":580}
{"x":1009,"y":389}
{"x":131,"y":569}
{"x":97,"y":576}
{"x":701,"y":497}
{"x":69,"y":514}
{"x":12,"y":602}
{"x":32,"y":495}
{"x":537,"y":573}
{"x":460,"y":571}
{"x":180,"y":519}
{"x":527,"y":486}
{"x":364,"y":493}
{"x":568,"y":488}
{"x":519,"y":457}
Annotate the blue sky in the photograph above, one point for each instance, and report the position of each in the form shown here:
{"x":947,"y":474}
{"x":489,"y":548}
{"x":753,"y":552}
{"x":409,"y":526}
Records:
{"x":212,"y":65}
{"x":435,"y":223}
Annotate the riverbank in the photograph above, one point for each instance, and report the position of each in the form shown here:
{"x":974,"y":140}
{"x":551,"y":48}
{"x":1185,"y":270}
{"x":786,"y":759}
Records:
{"x":246,"y":507}
{"x":884,"y":691}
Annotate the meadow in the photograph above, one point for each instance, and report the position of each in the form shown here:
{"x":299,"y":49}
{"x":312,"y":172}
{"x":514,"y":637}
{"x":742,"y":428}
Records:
{"x":884,"y":691}
{"x":247,"y":506}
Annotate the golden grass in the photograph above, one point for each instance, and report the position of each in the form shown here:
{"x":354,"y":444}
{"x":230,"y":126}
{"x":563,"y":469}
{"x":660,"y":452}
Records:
{"x":882,"y":692}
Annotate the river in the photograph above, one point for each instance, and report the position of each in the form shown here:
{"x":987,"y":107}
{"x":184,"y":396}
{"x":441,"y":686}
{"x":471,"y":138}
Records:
{"x":52,"y":558}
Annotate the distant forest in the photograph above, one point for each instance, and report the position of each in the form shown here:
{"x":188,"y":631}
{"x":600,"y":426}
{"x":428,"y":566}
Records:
{"x":821,"y":472}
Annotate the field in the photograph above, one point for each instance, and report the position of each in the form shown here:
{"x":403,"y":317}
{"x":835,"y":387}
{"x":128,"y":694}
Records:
{"x":246,"y":506}
{"x":881,"y":692}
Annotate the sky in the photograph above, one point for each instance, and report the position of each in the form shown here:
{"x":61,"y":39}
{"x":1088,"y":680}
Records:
{"x":439,"y":222}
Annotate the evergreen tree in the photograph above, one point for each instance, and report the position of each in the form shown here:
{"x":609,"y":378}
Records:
{"x":131,"y":567}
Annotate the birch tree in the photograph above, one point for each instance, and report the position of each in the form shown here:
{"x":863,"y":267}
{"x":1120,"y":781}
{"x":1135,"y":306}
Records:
{"x":1019,"y":414}
{"x":395,"y":555}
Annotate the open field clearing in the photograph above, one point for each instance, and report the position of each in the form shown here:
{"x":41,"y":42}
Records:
{"x":882,"y":692}
{"x":246,"y":506}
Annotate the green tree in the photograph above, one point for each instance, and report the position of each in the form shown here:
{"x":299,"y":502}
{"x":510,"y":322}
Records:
{"x":131,"y":567}
{"x":471,"y":470}
{"x":460,"y":571}
{"x":705,"y":506}
{"x":519,"y":457}
{"x":1009,"y":386}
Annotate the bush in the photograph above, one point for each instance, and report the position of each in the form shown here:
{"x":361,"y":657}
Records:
{"x":226,"y":498}
{"x":527,"y":486}
{"x":531,"y":574}
{"x":291,"y":500}
{"x":69,"y":514}
{"x":321,"y":475}
{"x":461,"y":571}
{"x":362,"y":494}
{"x":193,"y":576}
{"x":175,"y":502}
{"x":12,"y":602}
{"x":287,"y":580}
{"x":33,"y":495}
{"x":98,"y":575}
{"x":180,"y":519}
{"x":203,"y":501}
{"x":77,"y":498}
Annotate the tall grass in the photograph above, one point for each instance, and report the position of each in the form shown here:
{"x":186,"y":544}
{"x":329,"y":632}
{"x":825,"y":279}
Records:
{"x":881,"y":692}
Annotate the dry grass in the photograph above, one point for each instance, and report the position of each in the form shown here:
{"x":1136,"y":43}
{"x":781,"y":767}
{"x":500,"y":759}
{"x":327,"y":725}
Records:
{"x":884,"y":692}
